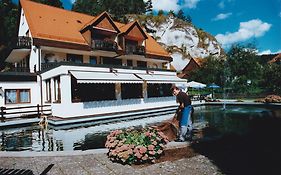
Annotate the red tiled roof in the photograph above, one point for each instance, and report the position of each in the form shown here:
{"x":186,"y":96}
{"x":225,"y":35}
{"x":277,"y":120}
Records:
{"x":51,"y":23}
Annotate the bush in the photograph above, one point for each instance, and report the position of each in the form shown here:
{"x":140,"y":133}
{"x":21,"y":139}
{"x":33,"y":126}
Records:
{"x":135,"y":147}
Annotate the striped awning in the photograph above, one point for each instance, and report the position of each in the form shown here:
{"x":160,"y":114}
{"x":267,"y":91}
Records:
{"x":157,"y":78}
{"x":104,"y":77}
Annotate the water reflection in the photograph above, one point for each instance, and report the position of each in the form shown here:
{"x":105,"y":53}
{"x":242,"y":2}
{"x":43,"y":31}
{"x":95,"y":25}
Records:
{"x":233,"y":119}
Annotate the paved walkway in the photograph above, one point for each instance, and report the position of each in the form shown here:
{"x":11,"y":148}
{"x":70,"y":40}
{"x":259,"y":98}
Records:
{"x":95,"y":162}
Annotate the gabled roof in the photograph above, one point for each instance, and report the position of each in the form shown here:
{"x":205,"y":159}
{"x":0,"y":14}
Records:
{"x":96,"y":20}
{"x":154,"y":49}
{"x":126,"y":29}
{"x":51,"y":25}
{"x":275,"y":59}
{"x":194,"y":63}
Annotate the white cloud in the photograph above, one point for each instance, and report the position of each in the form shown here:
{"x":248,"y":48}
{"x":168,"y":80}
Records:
{"x":174,"y":5}
{"x":191,"y":3}
{"x":165,"y":5}
{"x":221,"y":16}
{"x":221,"y":5}
{"x":267,"y":52}
{"x":247,"y":30}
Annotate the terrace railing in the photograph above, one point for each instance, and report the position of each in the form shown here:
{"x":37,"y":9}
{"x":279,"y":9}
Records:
{"x":12,"y":113}
{"x":23,"y":42}
{"x":135,"y":50}
{"x":107,"y":45}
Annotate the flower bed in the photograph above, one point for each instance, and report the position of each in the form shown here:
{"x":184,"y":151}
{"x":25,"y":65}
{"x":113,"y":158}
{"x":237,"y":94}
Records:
{"x":135,"y":146}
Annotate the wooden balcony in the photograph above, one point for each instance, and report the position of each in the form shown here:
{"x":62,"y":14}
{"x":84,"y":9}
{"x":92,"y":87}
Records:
{"x":135,"y":50}
{"x":23,"y":42}
{"x":106,"y":45}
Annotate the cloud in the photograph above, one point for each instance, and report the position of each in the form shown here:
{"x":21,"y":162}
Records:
{"x":221,"y":16}
{"x":191,"y":3}
{"x":166,"y":5}
{"x":221,"y":5}
{"x":267,"y":52}
{"x":174,"y":5}
{"x":253,"y":28}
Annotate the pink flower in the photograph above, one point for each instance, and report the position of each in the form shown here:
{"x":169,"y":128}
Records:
{"x":138,"y":155}
{"x":148,"y":134}
{"x":154,"y":143}
{"x":159,"y":151}
{"x":143,"y":149}
{"x":150,"y":147}
{"x":152,"y":152}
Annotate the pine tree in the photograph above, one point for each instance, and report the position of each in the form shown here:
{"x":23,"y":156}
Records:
{"x":148,"y":6}
{"x":55,"y":3}
{"x":180,"y":15}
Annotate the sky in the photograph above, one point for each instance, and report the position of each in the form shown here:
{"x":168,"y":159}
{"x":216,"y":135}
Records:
{"x":230,"y":21}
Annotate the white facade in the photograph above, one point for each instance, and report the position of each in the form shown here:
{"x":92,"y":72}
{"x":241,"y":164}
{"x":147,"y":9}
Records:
{"x":56,"y":84}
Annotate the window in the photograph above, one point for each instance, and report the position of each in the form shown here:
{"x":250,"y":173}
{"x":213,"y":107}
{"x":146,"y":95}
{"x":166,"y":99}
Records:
{"x":93,"y":60}
{"x":129,"y":91}
{"x":159,"y":90}
{"x":57,"y":89}
{"x":48,"y":90}
{"x":129,"y":62}
{"x":84,"y":92}
{"x":141,"y":64}
{"x":112,"y":61}
{"x":14,"y":96}
{"x":75,"y":58}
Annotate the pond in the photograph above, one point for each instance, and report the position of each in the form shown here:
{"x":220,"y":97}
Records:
{"x":216,"y":121}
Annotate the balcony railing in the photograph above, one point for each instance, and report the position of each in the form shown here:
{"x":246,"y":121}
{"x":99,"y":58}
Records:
{"x":48,"y":66}
{"x":23,"y":42}
{"x":19,"y":69}
{"x":106,"y":45}
{"x":135,"y":50}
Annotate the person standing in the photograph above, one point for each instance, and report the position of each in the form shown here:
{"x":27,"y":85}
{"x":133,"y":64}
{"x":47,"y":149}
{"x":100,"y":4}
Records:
{"x":184,"y":109}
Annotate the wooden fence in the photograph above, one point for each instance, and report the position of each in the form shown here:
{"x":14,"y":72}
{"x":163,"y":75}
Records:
{"x":10,"y":113}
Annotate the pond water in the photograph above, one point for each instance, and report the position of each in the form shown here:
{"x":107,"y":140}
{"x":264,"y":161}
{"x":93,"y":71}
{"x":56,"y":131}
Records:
{"x":238,"y":120}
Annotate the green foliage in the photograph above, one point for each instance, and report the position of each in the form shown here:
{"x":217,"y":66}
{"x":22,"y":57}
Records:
{"x":181,"y":16}
{"x":160,"y":13}
{"x":55,"y":3}
{"x":8,"y":31}
{"x":148,"y":6}
{"x":117,"y":8}
{"x":211,"y":71}
{"x":244,"y":66}
{"x":272,"y":78}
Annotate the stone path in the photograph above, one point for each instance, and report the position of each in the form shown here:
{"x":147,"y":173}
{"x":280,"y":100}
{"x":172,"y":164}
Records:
{"x":99,"y":164}
{"x":95,"y":162}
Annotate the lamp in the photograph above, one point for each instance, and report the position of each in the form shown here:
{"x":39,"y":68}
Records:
{"x":113,"y":70}
{"x":149,"y":72}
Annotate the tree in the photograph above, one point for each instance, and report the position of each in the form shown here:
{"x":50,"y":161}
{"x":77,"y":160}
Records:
{"x":180,"y":15}
{"x":160,"y":13}
{"x":148,"y":6}
{"x":117,"y":8}
{"x":272,"y":78}
{"x":245,"y":70}
{"x":55,"y":3}
{"x":8,"y":30}
{"x":172,"y":13}
{"x":211,"y":71}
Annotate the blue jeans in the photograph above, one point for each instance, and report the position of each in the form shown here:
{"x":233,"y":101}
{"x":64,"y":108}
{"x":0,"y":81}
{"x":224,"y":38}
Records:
{"x":185,"y":130}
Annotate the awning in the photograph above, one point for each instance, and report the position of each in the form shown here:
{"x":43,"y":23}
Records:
{"x":104,"y":77}
{"x":152,"y":78}
{"x":17,"y":54}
